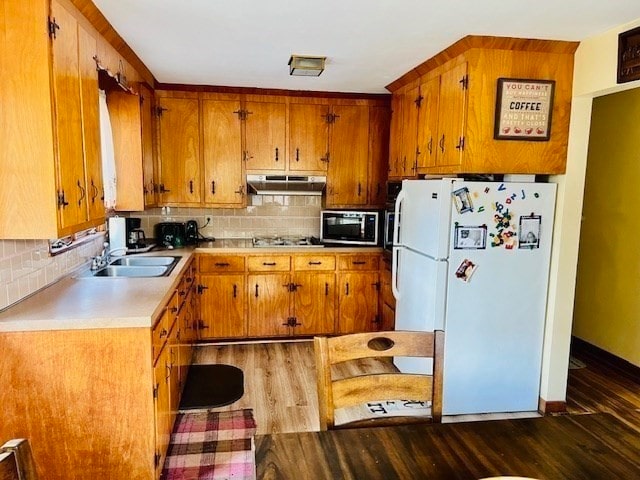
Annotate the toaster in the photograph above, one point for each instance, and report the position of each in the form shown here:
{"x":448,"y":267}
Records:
{"x":170,"y":234}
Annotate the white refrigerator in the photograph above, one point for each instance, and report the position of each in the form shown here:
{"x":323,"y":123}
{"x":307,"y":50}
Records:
{"x":472,"y":258}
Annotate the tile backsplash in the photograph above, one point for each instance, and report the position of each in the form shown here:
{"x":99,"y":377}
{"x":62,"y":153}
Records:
{"x":26,"y":267}
{"x":265,"y":215}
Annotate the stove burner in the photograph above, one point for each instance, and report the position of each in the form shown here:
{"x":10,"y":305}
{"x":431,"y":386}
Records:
{"x":284,"y":241}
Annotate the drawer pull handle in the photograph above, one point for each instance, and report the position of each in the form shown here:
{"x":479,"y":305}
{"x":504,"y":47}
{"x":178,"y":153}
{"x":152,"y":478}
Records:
{"x":326,"y":288}
{"x":359,"y":262}
{"x":269,"y":264}
{"x":256,"y":290}
{"x":235,"y":290}
{"x":221,"y":264}
{"x":346,"y":291}
{"x":163,"y":333}
{"x":315,"y":263}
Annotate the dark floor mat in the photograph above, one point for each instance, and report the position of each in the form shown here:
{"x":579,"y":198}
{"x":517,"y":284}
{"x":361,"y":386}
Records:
{"x":210,"y":386}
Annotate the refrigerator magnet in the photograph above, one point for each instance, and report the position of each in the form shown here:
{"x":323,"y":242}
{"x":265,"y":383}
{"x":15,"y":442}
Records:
{"x":465,"y":270}
{"x":470,"y":238}
{"x":530,"y":231}
{"x":462,"y":200}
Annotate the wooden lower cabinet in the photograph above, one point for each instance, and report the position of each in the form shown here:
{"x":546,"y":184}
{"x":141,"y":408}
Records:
{"x":358,"y":302}
{"x":314,"y":303}
{"x":288,"y":295}
{"x":222,"y":306}
{"x":161,"y":374}
{"x":268,"y":299}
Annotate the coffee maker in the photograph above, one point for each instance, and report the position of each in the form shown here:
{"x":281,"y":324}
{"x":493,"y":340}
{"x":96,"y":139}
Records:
{"x":135,"y":235}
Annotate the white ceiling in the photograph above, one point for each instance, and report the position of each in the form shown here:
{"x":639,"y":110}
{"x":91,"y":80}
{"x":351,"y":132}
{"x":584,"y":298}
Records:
{"x":369,"y":43}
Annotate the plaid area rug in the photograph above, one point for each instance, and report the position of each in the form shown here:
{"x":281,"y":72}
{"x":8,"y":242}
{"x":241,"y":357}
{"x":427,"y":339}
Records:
{"x":211,"y":445}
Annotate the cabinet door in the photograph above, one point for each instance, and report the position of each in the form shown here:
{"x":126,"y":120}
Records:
{"x":428,"y":123}
{"x":314,"y":303}
{"x":265,"y":133}
{"x":173,"y":346}
{"x":348,"y":162}
{"x":378,"y":155}
{"x":395,"y":139}
{"x":87,"y":49}
{"x":179,"y":151}
{"x":222,"y":153}
{"x":161,"y":408}
{"x":222,"y":306}
{"x":149,"y":171}
{"x":68,"y":114}
{"x":308,"y":138}
{"x":268,"y":298}
{"x":453,"y":95}
{"x":124,"y":113}
{"x":358,"y":302}
{"x":410,"y":111}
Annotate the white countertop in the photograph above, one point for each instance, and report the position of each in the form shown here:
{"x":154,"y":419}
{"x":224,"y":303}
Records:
{"x":80,"y":302}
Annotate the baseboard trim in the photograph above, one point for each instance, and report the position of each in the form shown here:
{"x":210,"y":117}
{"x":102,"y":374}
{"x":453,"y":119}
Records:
{"x":580,"y":346}
{"x":547,"y":408}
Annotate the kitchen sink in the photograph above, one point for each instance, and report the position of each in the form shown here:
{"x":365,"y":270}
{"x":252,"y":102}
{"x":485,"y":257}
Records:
{"x":135,"y":267}
{"x":145,"y":261}
{"x":129,"y":272}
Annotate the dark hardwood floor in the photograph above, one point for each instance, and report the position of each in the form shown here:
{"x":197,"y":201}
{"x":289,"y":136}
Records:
{"x":605,"y":384}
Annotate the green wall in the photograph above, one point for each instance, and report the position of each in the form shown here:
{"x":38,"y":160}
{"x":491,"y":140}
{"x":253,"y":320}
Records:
{"x":607,"y":302}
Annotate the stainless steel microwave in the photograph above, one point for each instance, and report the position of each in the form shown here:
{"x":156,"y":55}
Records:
{"x":350,"y":227}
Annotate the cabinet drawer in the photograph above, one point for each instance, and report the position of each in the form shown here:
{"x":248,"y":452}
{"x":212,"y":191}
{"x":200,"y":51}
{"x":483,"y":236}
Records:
{"x":358,"y":262}
{"x":314,"y":262}
{"x":269,"y":263}
{"x":160,"y":333}
{"x":221,"y":263}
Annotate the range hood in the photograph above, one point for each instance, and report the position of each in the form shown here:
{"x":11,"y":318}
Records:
{"x":286,"y":184}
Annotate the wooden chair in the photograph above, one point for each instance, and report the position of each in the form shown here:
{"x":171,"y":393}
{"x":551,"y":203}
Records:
{"x":16,"y":462}
{"x":338,"y":393}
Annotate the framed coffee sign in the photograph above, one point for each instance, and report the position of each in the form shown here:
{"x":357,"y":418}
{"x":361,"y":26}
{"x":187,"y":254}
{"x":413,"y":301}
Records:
{"x":629,"y":56}
{"x":523,"y":109}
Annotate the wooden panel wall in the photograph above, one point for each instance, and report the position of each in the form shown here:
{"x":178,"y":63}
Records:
{"x":83,"y":398}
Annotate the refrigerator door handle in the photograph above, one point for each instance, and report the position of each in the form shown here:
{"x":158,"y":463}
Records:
{"x":396,"y":223}
{"x":394,"y":273}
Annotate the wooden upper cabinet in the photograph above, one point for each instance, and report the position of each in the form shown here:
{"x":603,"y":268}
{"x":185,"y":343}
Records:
{"x":124,"y":114}
{"x":149,"y":170}
{"x":409,"y":152}
{"x":395,"y":141}
{"x":347,"y":178}
{"x":87,"y":48}
{"x":452,"y":102}
{"x":179,"y":151}
{"x":68,"y":114}
{"x":457,"y":114}
{"x":378,"y":154}
{"x":222,"y":152}
{"x":428,"y":123}
{"x":308,"y":137}
{"x":265,"y":135}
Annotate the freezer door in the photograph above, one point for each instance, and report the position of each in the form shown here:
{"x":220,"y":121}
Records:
{"x":424,"y":221}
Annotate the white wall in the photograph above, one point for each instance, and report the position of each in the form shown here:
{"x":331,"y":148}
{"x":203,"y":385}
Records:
{"x":594,"y":75}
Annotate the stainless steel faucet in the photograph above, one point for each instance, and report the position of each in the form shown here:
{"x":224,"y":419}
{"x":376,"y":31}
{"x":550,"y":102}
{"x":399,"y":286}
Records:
{"x":104,"y":258}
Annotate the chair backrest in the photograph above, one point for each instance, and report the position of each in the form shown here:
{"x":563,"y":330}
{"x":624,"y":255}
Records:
{"x":355,"y":390}
{"x":16,"y":461}
{"x":8,"y":466}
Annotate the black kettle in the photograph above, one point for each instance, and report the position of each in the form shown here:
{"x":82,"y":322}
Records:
{"x":191,"y":232}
